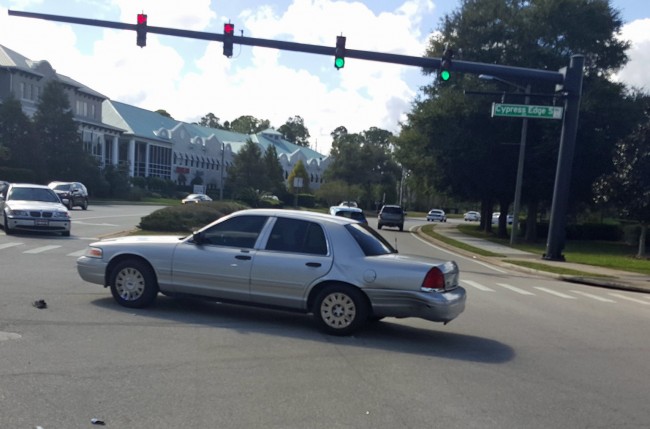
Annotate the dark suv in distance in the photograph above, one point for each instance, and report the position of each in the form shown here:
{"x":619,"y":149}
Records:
{"x":72,"y":194}
{"x":391,"y":215}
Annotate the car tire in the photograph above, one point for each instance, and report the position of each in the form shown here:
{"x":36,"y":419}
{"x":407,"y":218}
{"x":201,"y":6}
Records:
{"x":340,"y":310}
{"x":84,"y":205}
{"x":133,"y":284}
{"x":65,"y":233}
{"x":379,"y":226}
{"x":401,"y":227}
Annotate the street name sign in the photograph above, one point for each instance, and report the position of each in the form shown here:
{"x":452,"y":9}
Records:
{"x":526,"y":111}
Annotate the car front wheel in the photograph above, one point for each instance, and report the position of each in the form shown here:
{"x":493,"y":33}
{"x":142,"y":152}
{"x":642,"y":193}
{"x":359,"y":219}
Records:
{"x":8,"y":230}
{"x":340,"y":310}
{"x":84,"y":204}
{"x":133,"y":284}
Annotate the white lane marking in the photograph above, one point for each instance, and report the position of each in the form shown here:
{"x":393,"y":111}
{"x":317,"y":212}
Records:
{"x":617,"y":295}
{"x":42,"y":249}
{"x":458,"y":255}
{"x":80,"y":222}
{"x":477,"y":285}
{"x":596,"y":297}
{"x":515,"y":289}
{"x":8,"y":245}
{"x":552,"y":292}
{"x":77,"y":253}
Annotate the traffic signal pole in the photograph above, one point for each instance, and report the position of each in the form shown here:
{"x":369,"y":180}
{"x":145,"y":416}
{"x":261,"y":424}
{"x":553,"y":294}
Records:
{"x":571,"y":82}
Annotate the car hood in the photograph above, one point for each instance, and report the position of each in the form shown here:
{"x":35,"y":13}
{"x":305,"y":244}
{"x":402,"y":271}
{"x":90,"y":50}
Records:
{"x":142,"y":239}
{"x":34,"y":205}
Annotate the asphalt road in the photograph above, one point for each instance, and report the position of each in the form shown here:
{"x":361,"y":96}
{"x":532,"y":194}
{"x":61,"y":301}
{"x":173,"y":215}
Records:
{"x":528,"y":352}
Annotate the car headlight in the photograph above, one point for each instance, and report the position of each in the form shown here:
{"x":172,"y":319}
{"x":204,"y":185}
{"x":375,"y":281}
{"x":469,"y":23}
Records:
{"x":64,"y":215}
{"x":11,"y":212}
{"x":94,"y":252}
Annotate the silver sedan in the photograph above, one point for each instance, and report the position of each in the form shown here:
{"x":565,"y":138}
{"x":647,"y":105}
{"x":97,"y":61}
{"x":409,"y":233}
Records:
{"x":341,"y":271}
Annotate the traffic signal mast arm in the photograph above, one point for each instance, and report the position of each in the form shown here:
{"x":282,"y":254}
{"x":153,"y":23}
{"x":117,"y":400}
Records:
{"x":424,"y":62}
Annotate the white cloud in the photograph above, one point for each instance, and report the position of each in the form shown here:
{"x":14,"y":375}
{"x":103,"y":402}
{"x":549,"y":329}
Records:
{"x":635,"y":73}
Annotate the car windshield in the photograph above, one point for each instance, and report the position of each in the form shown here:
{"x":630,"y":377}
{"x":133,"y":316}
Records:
{"x":33,"y":194}
{"x":371,"y":243}
{"x":62,"y":187}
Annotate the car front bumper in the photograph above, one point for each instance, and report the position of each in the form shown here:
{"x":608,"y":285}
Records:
{"x":39,"y":224}
{"x":92,"y":270}
{"x":434,"y":306}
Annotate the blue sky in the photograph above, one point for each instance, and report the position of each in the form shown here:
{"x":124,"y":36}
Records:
{"x":190,"y":78}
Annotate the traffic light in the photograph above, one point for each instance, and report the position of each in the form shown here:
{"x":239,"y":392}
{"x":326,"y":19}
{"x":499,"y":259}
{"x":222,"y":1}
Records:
{"x":228,"y":33}
{"x":445,"y":64}
{"x":339,"y":55}
{"x":142,"y":30}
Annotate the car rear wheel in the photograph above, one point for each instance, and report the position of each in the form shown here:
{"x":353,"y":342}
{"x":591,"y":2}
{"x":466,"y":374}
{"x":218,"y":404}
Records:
{"x":340,"y":310}
{"x":84,"y":205}
{"x":133,"y":284}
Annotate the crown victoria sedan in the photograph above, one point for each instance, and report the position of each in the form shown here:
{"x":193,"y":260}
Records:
{"x":341,"y":271}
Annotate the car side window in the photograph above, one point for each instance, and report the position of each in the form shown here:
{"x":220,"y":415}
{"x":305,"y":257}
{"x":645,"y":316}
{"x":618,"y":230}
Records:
{"x":299,"y":236}
{"x":239,"y":231}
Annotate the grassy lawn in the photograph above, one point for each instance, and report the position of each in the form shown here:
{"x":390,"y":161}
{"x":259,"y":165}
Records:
{"x":602,"y":254}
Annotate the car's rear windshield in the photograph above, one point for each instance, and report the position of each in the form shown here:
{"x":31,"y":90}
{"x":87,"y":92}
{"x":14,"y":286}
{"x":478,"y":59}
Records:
{"x":371,"y":243}
{"x":62,"y":187}
{"x":397,"y":210}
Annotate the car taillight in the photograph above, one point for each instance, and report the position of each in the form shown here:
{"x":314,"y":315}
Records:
{"x":434,"y":280}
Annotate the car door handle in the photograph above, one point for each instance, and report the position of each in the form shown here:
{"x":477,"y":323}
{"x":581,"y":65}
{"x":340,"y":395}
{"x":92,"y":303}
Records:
{"x":243,"y":257}
{"x":313,"y":264}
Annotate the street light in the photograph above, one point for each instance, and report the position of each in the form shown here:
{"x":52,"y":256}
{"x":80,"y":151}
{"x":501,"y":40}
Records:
{"x":522,"y":153}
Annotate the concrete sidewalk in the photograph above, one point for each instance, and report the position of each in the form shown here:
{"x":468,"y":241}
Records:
{"x":596,"y":276}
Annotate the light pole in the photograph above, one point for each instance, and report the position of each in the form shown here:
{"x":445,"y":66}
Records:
{"x":223,"y":149}
{"x":522,"y":154}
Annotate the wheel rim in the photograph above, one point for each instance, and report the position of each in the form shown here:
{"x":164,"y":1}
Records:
{"x":129,"y":284}
{"x":338,"y":310}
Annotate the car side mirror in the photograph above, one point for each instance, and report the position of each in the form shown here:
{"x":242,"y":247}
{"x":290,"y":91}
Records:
{"x":199,"y":237}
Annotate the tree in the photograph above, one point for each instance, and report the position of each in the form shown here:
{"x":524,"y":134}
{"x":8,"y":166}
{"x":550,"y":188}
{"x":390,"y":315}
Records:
{"x":246,"y":173}
{"x":294,"y":130}
{"x":540,"y":34}
{"x":249,"y":125}
{"x":17,"y":146}
{"x":211,"y":121}
{"x":58,"y":135}
{"x":299,"y":172}
{"x":627,"y":187}
{"x":273,"y":172}
{"x":163,"y":112}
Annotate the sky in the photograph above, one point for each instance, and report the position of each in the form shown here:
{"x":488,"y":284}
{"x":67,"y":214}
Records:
{"x":191,"y":78}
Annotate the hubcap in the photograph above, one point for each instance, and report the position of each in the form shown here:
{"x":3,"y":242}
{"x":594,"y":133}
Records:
{"x":338,"y":310}
{"x":129,"y":284}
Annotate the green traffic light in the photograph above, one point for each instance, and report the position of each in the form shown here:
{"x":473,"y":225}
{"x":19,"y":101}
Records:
{"x":445,"y":75}
{"x":339,"y":62}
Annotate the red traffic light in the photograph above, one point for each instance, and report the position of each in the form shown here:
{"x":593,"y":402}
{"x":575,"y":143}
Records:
{"x":228,"y":34}
{"x":229,"y":28}
{"x":142,"y":19}
{"x":141,"y":30}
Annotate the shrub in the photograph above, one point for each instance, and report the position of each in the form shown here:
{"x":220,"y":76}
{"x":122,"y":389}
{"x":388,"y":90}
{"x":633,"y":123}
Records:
{"x":187,"y":217}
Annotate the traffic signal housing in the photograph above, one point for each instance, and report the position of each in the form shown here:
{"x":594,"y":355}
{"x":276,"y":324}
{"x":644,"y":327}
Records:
{"x":228,"y":33}
{"x":142,"y":30}
{"x":339,"y":55}
{"x":445,"y":64}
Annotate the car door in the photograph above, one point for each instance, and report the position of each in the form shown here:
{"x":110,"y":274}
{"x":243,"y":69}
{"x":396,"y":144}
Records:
{"x":295,"y":255}
{"x":219,"y":264}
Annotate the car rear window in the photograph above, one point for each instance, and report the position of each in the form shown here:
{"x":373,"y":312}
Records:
{"x":394,"y":210}
{"x":371,"y":243}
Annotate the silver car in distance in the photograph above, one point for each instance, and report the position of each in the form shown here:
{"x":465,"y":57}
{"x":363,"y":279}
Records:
{"x":341,"y":271}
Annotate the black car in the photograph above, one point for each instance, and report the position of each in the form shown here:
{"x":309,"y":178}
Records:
{"x":72,"y":194}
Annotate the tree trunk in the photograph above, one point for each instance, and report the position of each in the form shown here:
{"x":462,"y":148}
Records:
{"x":642,"y":236}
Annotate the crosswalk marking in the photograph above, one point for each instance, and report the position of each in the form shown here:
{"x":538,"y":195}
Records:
{"x":617,"y":295}
{"x":42,"y":249}
{"x":552,"y":292}
{"x":596,"y":297}
{"x":478,"y":285}
{"x":515,"y":289}
{"x":8,"y":245}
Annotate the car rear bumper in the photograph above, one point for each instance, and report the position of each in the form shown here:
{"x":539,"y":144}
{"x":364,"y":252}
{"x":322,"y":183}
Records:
{"x":434,"y":306}
{"x":92,"y":270}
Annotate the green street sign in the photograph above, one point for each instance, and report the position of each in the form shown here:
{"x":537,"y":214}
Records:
{"x":526,"y":111}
